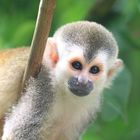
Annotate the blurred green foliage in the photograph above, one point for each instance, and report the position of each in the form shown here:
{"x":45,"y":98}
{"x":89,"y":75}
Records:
{"x":120,"y":115}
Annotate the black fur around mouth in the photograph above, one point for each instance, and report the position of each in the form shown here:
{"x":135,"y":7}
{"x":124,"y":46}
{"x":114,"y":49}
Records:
{"x":78,"y":88}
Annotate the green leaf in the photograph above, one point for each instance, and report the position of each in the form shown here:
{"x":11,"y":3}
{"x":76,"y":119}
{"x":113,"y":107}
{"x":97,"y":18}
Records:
{"x":116,"y":98}
{"x":23,"y":34}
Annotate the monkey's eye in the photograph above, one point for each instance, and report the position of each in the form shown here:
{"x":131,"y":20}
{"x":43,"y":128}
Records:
{"x":76,"y":65}
{"x":94,"y":70}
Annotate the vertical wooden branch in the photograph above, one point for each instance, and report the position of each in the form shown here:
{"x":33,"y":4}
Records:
{"x":39,"y":40}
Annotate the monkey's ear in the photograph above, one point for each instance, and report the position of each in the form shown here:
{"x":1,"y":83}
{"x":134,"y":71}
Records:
{"x":51,"y":54}
{"x":117,"y":66}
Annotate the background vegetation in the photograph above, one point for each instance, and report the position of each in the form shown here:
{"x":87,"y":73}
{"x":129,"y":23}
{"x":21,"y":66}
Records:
{"x":120,"y":116}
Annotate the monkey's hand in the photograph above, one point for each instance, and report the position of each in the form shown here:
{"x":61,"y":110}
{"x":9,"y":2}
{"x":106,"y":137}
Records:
{"x":25,"y":120}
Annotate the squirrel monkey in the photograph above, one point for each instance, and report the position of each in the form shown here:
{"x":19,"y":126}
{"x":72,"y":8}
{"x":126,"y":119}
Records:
{"x":79,"y":61}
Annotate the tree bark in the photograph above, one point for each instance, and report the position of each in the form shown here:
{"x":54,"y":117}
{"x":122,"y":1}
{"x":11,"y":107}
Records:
{"x":39,"y":40}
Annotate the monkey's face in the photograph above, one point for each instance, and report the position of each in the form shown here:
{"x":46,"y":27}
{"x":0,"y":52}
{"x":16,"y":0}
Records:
{"x":74,"y":72}
{"x":80,"y":77}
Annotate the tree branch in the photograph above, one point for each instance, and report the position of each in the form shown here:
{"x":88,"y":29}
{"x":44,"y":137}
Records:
{"x":39,"y":40}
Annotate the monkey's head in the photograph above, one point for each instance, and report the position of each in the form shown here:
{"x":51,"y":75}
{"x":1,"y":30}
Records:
{"x":83,"y":57}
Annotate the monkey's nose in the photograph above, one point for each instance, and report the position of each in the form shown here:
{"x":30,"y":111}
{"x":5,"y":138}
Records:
{"x":82,"y":80}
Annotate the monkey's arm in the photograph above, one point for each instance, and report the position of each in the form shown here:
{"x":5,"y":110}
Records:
{"x":25,"y":121}
{"x":12,"y":64}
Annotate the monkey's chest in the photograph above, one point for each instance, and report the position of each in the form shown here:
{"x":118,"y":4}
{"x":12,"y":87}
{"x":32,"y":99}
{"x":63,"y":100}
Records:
{"x":60,"y":129}
{"x":64,"y":122}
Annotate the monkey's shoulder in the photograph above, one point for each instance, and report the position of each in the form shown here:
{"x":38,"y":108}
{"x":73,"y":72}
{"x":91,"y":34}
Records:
{"x":15,"y":55}
{"x":12,"y":65}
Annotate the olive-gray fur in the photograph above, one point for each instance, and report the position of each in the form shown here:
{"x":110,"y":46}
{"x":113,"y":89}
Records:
{"x":38,"y":96}
{"x":91,"y":36}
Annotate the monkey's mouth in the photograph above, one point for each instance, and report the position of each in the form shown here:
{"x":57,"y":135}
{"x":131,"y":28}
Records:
{"x":78,"y":92}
